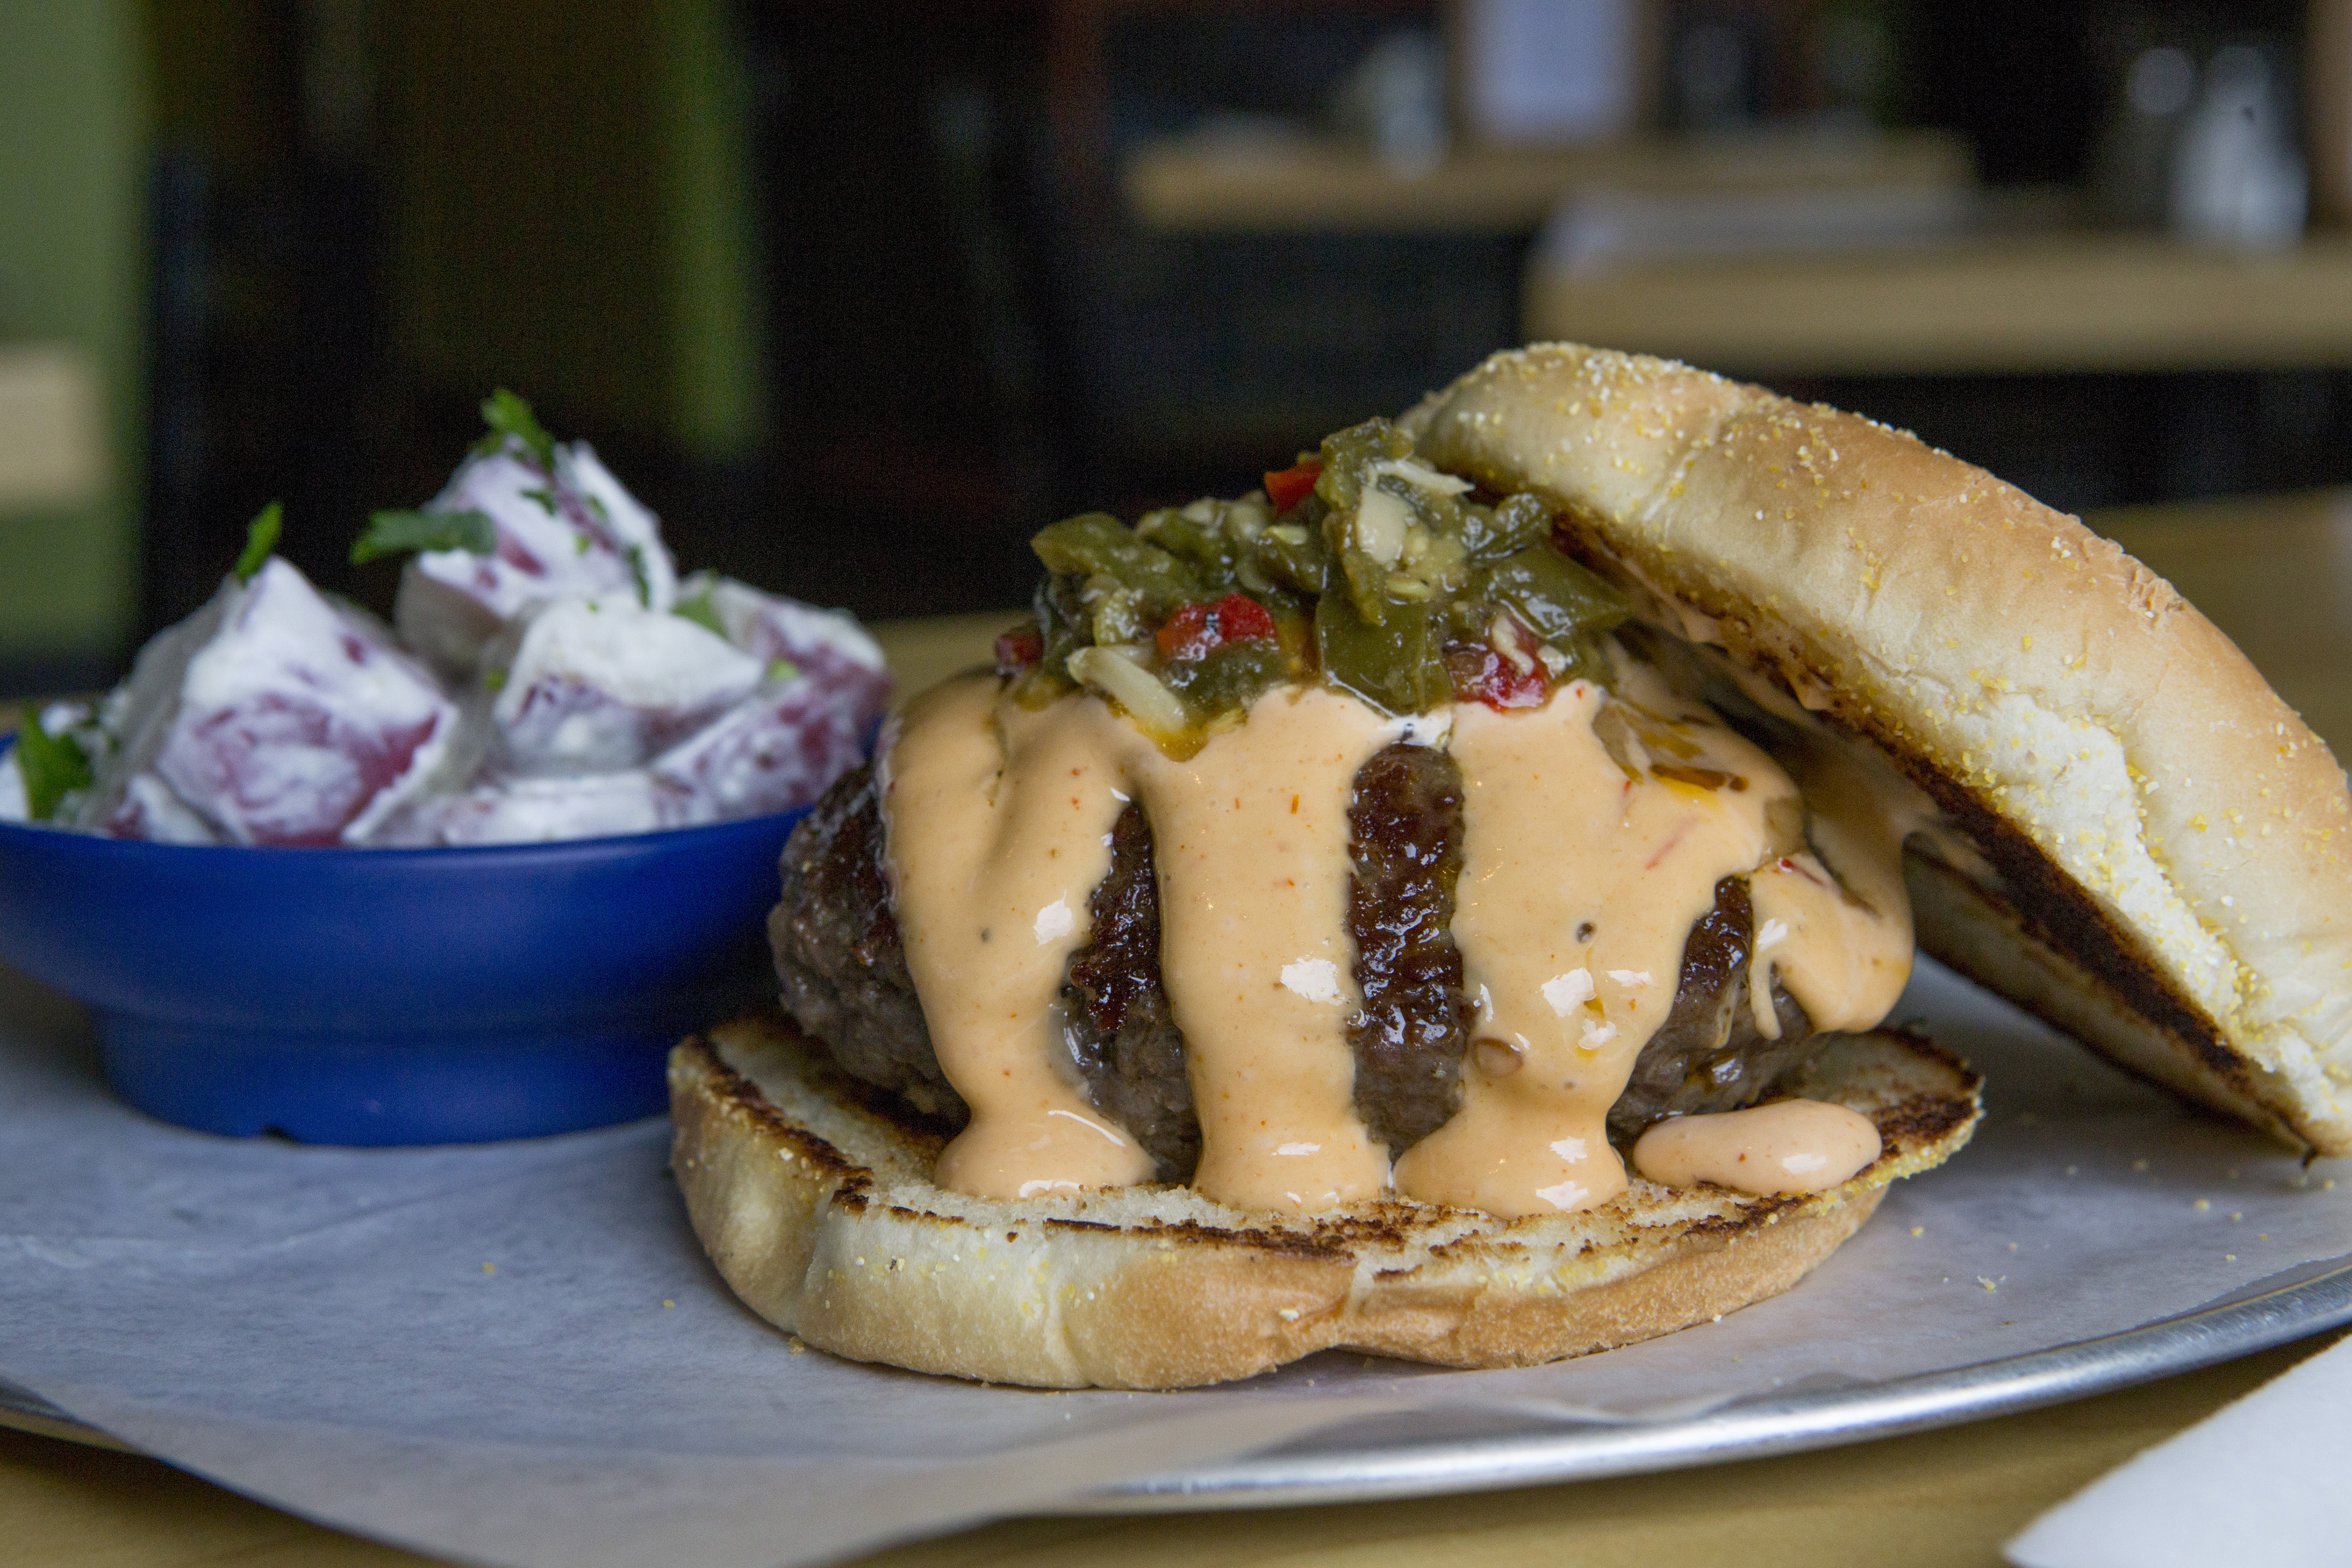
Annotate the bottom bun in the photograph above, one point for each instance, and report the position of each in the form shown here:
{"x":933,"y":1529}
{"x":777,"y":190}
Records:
{"x":812,"y":1195}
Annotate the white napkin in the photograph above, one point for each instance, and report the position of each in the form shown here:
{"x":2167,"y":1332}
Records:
{"x":2262,"y":1480}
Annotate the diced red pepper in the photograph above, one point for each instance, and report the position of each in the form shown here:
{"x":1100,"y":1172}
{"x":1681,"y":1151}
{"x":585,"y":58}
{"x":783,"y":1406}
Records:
{"x":1195,"y":631}
{"x":1018,"y":650}
{"x":1241,"y":618}
{"x":1288,"y":487}
{"x":1481,"y":675}
{"x":1187,"y":634}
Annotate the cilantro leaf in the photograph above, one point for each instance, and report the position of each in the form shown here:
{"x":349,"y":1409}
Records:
{"x":637,"y":570}
{"x":780,"y":671}
{"x":510,"y":417}
{"x":702,"y":612}
{"x":261,"y":539}
{"x":53,"y":767}
{"x":398,"y":533}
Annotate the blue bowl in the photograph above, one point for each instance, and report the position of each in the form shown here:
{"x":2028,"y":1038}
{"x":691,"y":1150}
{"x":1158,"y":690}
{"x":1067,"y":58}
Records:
{"x":378,"y":997}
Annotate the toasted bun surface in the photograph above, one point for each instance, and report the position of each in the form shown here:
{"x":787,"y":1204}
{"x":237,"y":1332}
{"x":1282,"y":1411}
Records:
{"x":813,"y":1197}
{"x":2165,"y":839}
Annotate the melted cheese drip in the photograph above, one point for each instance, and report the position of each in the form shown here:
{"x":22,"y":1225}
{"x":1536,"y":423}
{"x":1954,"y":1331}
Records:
{"x":1782,"y":1150}
{"x":998,"y":822}
{"x":1585,"y":867}
{"x":997,"y":837}
{"x":1838,"y":936}
{"x":1575,"y":871}
{"x":1250,"y":838}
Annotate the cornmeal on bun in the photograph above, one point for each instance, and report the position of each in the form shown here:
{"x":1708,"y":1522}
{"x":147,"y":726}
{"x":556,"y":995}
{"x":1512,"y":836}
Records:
{"x":1445,"y":903}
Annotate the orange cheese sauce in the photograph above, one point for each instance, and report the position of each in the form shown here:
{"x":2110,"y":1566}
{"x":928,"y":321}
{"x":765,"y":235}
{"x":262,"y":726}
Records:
{"x":1595,"y":830}
{"x":1781,"y":1150}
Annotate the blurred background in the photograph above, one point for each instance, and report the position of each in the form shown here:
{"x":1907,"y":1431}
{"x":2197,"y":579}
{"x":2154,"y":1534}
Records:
{"x":857,"y":296}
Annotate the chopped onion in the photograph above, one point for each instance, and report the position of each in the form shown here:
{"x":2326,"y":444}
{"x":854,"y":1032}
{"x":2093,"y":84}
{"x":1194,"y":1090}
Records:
{"x":1418,"y":474}
{"x":1381,"y":519}
{"x":1132,"y":687}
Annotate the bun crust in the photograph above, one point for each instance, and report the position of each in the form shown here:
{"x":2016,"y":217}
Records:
{"x":813,"y":1197}
{"x":2164,"y":839}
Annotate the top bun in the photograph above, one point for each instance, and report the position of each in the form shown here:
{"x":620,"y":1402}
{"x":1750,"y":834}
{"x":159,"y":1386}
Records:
{"x":2164,"y":839}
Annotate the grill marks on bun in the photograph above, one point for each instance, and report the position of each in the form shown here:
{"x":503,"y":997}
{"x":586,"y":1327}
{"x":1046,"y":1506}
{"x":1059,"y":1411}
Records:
{"x":816,"y":1208}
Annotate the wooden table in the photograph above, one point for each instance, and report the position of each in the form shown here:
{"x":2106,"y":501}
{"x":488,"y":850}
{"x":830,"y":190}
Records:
{"x":2027,"y":302}
{"x":2276,"y":573}
{"x":1189,"y":184}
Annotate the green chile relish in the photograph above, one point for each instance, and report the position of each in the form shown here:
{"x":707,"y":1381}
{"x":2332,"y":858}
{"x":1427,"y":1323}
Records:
{"x":1360,"y":564}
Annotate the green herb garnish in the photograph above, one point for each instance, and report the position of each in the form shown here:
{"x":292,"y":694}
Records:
{"x":52,"y":766}
{"x":509,"y":418}
{"x":702,"y":612}
{"x":780,"y":671}
{"x":400,"y":532}
{"x":637,"y":570}
{"x":261,"y":539}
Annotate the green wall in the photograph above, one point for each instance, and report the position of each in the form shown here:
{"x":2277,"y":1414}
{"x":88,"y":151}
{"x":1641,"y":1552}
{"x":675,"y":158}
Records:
{"x":571,"y":216}
{"x":72,"y":268}
{"x":572,"y":185}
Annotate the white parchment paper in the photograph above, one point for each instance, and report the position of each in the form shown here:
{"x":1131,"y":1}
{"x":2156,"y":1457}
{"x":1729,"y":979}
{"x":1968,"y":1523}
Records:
{"x":518,"y":1354}
{"x":2262,"y":1479}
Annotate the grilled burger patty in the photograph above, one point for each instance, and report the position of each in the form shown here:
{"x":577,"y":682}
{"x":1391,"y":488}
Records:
{"x":844,"y":972}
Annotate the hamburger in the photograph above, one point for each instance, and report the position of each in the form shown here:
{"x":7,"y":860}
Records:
{"x":1445,"y":903}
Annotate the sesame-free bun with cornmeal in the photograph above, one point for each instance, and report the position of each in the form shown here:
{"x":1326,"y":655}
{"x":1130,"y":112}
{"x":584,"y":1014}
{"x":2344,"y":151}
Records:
{"x":1858,"y":664}
{"x":2163,"y":840}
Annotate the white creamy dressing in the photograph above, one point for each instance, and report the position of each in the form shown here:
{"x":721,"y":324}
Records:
{"x":562,"y":538}
{"x":591,"y":686}
{"x":829,"y":644}
{"x":621,"y":517}
{"x":1596,"y":828}
{"x":536,"y":811}
{"x":272,"y":716}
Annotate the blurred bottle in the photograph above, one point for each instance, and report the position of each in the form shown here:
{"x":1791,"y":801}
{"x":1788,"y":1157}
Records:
{"x":2134,"y":166}
{"x":2237,"y":178}
{"x":1395,"y":101}
{"x":1717,"y":70}
{"x":1853,"y":62}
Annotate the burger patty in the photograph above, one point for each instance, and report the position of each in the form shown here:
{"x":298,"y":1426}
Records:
{"x":1114,"y":1012}
{"x":843,"y":967}
{"x":1406,"y":837}
{"x":1708,"y":1054}
{"x":839,"y":957}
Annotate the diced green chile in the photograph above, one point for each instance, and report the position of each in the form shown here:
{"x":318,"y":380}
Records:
{"x":1399,"y":664}
{"x":1559,"y":599}
{"x":1061,"y":623}
{"x":1304,"y":566}
{"x":1347,"y":453}
{"x":1097,"y":542}
{"x":1116,"y":613}
{"x":1230,"y":677}
{"x":1490,"y":533}
{"x":1211,"y":551}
